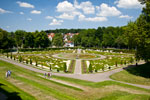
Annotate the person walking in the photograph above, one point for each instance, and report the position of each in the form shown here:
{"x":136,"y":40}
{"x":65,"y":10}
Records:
{"x":45,"y":75}
{"x":48,"y":75}
{"x":9,"y":73}
{"x":6,"y":74}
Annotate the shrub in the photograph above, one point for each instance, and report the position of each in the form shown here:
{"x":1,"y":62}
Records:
{"x":57,"y":70}
{"x":27,"y":61}
{"x":14,"y":57}
{"x":90,"y":68}
{"x":11,"y":55}
{"x":30,"y":61}
{"x":65,"y":67}
{"x":131,"y":60}
{"x":116,"y":64}
{"x":20,"y":59}
{"x":36,"y":63}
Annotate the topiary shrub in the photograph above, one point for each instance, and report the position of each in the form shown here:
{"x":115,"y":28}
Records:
{"x":27,"y":61}
{"x":11,"y":55}
{"x":125,"y":62}
{"x":20,"y":59}
{"x":131,"y":60}
{"x":65,"y":67}
{"x":116,"y":64}
{"x":36,"y":63}
{"x":90,"y":68}
{"x":30,"y":61}
{"x":57,"y":70}
{"x":14,"y":57}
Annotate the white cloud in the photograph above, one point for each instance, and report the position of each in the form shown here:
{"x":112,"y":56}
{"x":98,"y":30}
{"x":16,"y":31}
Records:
{"x":87,"y":7}
{"x":2,"y":11}
{"x":126,"y":16}
{"x":24,"y":4}
{"x":48,"y":17}
{"x":92,"y":19}
{"x":22,"y":13}
{"x":66,"y":16}
{"x":105,"y":10}
{"x":65,"y":6}
{"x":29,"y":19}
{"x":56,"y":22}
{"x":35,"y":12}
{"x":128,"y":4}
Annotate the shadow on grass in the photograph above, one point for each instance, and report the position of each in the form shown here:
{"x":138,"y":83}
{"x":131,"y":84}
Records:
{"x":9,"y":95}
{"x":140,"y":70}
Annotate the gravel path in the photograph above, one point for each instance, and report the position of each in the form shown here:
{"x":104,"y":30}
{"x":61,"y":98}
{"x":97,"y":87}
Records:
{"x":77,"y":69}
{"x":78,"y":64}
{"x":98,"y":77}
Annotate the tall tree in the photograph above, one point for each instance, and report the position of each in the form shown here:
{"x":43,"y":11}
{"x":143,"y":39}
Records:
{"x":143,"y":24}
{"x":41,"y":40}
{"x":58,"y":40}
{"x":4,"y":39}
{"x":19,"y":38}
{"x":29,"y":40}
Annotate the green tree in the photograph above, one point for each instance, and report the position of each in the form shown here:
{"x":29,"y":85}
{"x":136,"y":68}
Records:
{"x":29,"y":40}
{"x":58,"y":40}
{"x":19,"y":38}
{"x":143,"y":40}
{"x":41,"y":40}
{"x":131,"y":34}
{"x":4,"y":41}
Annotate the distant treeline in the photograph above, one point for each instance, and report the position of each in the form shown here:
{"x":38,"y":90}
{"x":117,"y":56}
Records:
{"x":64,"y":31}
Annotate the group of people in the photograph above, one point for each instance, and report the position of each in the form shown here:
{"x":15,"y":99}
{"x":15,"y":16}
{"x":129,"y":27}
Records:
{"x":48,"y":74}
{"x":8,"y":73}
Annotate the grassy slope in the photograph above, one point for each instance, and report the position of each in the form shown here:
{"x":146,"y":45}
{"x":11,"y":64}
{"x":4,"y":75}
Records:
{"x":28,"y":83}
{"x":136,"y":75}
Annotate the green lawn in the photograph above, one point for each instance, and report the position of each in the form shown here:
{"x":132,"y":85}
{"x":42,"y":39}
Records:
{"x":136,"y":75}
{"x":28,"y":85}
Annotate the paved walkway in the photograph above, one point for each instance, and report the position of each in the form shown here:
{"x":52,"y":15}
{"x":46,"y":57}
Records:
{"x":98,"y":77}
{"x":77,"y":69}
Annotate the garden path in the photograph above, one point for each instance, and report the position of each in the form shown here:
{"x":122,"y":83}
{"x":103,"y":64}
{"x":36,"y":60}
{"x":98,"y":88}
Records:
{"x":78,"y":64}
{"x":98,"y":77}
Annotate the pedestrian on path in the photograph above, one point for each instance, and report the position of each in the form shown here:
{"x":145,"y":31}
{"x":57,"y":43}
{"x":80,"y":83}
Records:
{"x":6,"y":74}
{"x":45,"y":75}
{"x":9,"y":73}
{"x":48,"y":75}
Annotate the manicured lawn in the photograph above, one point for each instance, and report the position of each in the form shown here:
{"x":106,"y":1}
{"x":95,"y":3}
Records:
{"x":29,"y":86}
{"x":136,"y":75}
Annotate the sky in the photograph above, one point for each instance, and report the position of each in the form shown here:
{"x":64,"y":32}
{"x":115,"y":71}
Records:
{"x":31,"y":15}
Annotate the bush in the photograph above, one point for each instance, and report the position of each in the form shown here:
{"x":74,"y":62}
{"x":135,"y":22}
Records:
{"x":131,"y":60}
{"x":57,"y":70}
{"x":30,"y":61}
{"x":11,"y":55}
{"x":65,"y":67}
{"x":90,"y":68}
{"x":27,"y":61}
{"x":36,"y":63}
{"x":116,"y":64}
{"x":20,"y":59}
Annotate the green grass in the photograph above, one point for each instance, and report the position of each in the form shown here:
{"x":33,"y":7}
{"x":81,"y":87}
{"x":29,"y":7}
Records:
{"x":29,"y":86}
{"x":135,"y":75}
{"x":118,"y":95}
{"x":12,"y":92}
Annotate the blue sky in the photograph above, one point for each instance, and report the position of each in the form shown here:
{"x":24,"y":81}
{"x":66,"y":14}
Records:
{"x":31,"y":15}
